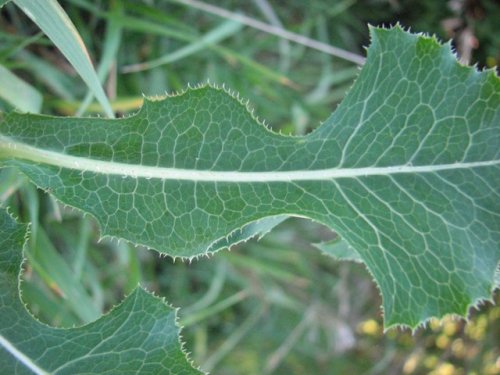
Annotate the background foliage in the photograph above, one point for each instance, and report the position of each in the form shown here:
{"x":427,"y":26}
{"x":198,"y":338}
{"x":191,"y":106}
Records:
{"x":271,"y":306}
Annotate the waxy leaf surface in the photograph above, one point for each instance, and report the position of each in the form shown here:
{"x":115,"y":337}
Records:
{"x":406,"y":170}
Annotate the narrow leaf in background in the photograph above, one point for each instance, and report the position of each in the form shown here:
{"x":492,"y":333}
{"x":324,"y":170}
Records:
{"x":112,"y":41}
{"x":20,"y":94}
{"x":55,"y":23}
{"x":225,"y":30}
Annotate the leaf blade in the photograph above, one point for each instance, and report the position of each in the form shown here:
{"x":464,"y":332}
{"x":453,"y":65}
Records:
{"x":406,"y":171}
{"x":104,"y":346}
{"x":19,"y":93}
{"x":51,"y":18}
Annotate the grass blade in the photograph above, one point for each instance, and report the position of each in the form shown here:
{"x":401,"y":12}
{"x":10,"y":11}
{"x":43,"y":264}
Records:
{"x":277,"y":31}
{"x":59,"y":83}
{"x":112,"y":41}
{"x":58,"y":275}
{"x":55,"y":23}
{"x":19,"y":93}
{"x":134,"y":24}
{"x":221,"y":32}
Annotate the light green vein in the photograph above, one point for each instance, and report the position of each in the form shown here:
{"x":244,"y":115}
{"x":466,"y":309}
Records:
{"x":25,"y":152}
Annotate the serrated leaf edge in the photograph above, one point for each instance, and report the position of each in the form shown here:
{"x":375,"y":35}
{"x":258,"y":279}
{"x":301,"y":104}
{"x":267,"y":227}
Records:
{"x":137,"y":289}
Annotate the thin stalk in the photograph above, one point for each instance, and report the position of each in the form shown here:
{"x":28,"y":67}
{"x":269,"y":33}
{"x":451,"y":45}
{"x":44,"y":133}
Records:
{"x":275,"y":30}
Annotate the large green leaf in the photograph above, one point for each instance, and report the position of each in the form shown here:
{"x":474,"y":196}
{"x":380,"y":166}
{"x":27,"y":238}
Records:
{"x":406,"y":170}
{"x":139,"y":335}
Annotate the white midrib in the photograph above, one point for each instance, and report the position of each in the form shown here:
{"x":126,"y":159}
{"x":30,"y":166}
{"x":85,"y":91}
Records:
{"x":25,"y":152}
{"x":21,"y":357}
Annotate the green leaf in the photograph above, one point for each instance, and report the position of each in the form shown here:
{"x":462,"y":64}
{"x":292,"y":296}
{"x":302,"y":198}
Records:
{"x":406,"y":171}
{"x":111,"y":45}
{"x":55,"y":23}
{"x":45,"y":259}
{"x":223,"y":31}
{"x":19,"y":93}
{"x":139,"y":335}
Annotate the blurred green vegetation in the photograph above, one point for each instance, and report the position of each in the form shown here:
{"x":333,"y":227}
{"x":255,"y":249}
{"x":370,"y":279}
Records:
{"x":271,"y":306}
